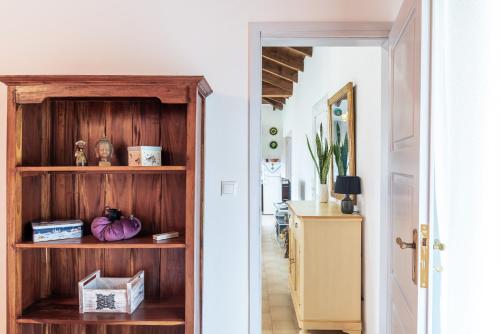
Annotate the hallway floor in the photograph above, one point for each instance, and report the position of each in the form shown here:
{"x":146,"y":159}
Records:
{"x":278,"y":315}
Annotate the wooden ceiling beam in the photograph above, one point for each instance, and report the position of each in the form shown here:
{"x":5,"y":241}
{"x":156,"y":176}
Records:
{"x":304,"y":51}
{"x":281,"y":71}
{"x":281,"y":100}
{"x":265,"y":101}
{"x":285,"y":57}
{"x":275,"y":104}
{"x":269,"y":90}
{"x":277,"y":81}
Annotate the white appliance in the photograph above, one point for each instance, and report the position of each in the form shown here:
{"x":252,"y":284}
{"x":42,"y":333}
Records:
{"x":271,"y":185}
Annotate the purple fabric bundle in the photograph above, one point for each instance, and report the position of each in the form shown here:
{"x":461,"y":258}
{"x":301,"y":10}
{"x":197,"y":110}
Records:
{"x":105,"y":229}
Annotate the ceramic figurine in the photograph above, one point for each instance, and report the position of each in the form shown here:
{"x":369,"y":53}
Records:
{"x":104,"y":151}
{"x":80,"y":156}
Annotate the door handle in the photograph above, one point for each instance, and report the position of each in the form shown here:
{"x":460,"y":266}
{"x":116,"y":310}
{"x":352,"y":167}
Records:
{"x":405,"y":245}
{"x":413,"y":246}
{"x":438,"y":245}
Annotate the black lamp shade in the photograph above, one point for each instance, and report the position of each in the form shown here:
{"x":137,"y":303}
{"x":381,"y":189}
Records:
{"x":348,"y":185}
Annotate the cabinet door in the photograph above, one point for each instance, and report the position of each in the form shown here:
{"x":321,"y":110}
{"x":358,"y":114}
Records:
{"x":299,"y":256}
{"x":291,"y":258}
{"x":297,"y":270}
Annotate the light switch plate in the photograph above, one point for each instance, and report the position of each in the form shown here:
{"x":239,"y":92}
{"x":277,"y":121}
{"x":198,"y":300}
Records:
{"x":228,"y":188}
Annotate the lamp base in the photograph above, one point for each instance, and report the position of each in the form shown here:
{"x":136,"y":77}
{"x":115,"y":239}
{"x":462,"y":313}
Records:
{"x":347,"y":205}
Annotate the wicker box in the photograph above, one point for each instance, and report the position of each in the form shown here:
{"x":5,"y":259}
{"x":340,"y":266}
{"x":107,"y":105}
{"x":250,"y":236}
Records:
{"x":111,"y":294}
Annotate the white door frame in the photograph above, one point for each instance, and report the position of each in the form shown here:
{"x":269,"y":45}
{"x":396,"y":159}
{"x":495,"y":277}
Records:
{"x":300,"y":34}
{"x":288,"y":156}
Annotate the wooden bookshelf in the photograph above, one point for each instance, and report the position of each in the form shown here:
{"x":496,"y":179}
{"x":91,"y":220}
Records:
{"x":46,"y":116}
{"x":65,"y":311}
{"x":99,"y":170}
{"x":88,"y":242}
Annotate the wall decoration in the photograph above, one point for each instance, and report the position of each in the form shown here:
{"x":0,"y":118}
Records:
{"x":341,"y":116}
{"x":273,"y":131}
{"x":273,"y":144}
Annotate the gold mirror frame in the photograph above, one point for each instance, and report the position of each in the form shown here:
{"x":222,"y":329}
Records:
{"x":345,"y":92}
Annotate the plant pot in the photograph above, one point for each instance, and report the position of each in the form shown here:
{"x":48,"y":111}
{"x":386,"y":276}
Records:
{"x":322,"y":195}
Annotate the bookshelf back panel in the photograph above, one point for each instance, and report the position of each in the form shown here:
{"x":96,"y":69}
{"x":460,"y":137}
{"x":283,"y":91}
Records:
{"x":56,"y":272}
{"x":158,"y":200}
{"x":33,"y":329}
{"x":51,"y":128}
{"x":31,"y":205}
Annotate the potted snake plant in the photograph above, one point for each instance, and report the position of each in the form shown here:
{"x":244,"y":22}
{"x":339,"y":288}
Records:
{"x":322,"y":158}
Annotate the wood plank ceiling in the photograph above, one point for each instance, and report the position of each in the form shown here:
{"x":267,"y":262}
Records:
{"x":280,"y":69}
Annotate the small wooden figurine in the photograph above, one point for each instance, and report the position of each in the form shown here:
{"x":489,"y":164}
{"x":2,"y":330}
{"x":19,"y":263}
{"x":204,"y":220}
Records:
{"x":104,"y":151}
{"x":80,"y":156}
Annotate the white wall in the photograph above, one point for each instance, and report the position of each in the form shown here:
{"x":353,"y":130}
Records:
{"x":172,"y":37}
{"x":326,"y":72}
{"x":271,"y":118}
{"x":466,"y":141}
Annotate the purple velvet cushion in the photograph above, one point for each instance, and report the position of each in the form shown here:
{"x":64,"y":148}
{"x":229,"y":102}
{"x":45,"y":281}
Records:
{"x":124,"y":228}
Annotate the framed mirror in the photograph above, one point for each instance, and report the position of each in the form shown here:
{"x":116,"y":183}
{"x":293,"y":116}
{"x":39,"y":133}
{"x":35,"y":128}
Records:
{"x":341,"y":124}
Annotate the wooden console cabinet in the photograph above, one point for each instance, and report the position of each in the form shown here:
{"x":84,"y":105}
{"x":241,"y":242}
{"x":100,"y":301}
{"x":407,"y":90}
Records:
{"x":46,"y":116}
{"x":325,"y":267}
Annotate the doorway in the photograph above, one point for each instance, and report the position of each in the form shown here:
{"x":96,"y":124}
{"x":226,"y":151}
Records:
{"x":341,"y":35}
{"x":304,"y":188}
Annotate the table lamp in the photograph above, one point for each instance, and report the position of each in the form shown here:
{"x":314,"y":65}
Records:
{"x":348,"y":185}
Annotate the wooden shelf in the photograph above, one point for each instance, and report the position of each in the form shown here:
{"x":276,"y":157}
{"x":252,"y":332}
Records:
{"x":169,"y":312}
{"x":89,"y":241}
{"x":99,"y":170}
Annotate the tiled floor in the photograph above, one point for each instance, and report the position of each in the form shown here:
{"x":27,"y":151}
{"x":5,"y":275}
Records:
{"x":278,"y":316}
{"x":277,"y":310}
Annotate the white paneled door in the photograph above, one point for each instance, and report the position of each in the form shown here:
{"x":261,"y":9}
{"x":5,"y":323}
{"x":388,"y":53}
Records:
{"x":407,"y":172}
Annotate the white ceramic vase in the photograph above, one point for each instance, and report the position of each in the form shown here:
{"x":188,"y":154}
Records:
{"x":322,"y":194}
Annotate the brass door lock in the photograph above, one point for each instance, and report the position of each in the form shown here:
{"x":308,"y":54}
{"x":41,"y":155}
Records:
{"x":424,"y":256}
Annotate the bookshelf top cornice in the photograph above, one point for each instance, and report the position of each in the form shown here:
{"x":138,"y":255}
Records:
{"x":27,"y":80}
